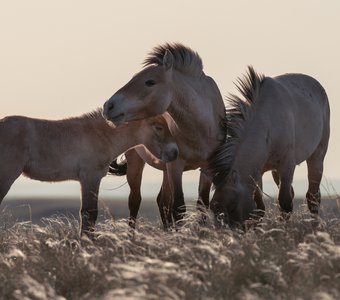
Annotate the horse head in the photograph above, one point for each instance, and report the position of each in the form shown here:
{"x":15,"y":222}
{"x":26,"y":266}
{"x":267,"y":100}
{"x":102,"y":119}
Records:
{"x":147,"y":94}
{"x":158,"y":137}
{"x":232,"y":202}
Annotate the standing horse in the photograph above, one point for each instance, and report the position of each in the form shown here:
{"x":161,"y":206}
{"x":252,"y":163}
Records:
{"x":173,"y":80}
{"x":279,"y":123}
{"x":75,"y":149}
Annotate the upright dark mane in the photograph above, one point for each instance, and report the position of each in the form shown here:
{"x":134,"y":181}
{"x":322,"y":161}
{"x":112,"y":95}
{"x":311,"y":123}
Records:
{"x":185,"y":59}
{"x":237,"y":111}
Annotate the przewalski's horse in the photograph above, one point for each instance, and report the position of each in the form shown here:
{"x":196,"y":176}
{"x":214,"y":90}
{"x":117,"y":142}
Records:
{"x":133,"y":169}
{"x":279,"y":123}
{"x":79,"y":148}
{"x":173,"y":80}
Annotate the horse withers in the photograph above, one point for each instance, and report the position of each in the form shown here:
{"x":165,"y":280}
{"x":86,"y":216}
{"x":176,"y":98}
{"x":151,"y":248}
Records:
{"x":277,"y":124}
{"x":79,"y":148}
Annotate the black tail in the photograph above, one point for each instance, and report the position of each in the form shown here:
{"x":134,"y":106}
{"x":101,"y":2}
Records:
{"x":118,"y":169}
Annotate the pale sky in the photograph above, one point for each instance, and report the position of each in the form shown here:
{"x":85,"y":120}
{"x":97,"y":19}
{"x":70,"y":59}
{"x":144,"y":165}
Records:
{"x":65,"y":58}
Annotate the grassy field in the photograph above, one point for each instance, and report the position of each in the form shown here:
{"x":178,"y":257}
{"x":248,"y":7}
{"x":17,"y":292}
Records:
{"x":278,"y":260}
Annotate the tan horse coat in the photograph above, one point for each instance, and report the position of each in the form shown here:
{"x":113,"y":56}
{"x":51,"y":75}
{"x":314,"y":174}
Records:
{"x":75,"y":149}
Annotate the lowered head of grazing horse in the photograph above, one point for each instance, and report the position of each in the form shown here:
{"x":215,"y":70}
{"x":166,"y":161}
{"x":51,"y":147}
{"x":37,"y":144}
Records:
{"x":79,"y":148}
{"x":277,"y":124}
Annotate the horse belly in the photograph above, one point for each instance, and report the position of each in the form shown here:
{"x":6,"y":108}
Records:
{"x":50,"y":171}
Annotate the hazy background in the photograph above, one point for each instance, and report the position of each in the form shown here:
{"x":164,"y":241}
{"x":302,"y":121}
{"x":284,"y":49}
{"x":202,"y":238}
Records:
{"x":65,"y":58}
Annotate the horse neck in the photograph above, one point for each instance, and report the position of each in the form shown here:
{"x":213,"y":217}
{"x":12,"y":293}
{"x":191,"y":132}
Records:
{"x":124,"y":137}
{"x":250,"y":156}
{"x":194,"y":114}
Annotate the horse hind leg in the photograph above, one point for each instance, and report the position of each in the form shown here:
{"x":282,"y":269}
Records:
{"x":315,"y":170}
{"x":258,"y":198}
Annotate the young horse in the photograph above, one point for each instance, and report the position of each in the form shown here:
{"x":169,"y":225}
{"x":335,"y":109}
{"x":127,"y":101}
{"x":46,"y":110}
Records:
{"x":133,"y":169}
{"x":173,"y":80}
{"x":75,"y":149}
{"x":281,"y":122}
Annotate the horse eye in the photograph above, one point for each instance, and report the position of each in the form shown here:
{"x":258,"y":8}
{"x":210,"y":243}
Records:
{"x":158,"y":128}
{"x":150,"y":82}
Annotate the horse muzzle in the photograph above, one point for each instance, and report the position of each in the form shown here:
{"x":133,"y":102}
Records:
{"x":170,"y":153}
{"x":112,"y":114}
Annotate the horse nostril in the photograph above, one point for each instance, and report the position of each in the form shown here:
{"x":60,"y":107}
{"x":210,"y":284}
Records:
{"x":107,"y":107}
{"x":170,"y":154}
{"x":110,"y":106}
{"x":175,"y":153}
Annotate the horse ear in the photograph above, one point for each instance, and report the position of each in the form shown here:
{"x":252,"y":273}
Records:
{"x":172,"y":125}
{"x":168,"y":60}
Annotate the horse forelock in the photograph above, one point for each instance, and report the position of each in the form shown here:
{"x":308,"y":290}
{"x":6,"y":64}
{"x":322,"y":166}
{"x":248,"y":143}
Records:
{"x":237,"y":111}
{"x":186,"y":60}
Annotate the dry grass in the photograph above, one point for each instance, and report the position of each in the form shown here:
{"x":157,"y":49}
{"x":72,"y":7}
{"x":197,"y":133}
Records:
{"x":279,"y":260}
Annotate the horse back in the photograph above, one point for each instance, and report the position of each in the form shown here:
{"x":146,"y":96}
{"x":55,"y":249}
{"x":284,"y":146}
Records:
{"x":308,"y":100}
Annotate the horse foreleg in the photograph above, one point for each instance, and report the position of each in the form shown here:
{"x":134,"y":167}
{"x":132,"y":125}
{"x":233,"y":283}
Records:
{"x":134,"y":178}
{"x":9,"y":173}
{"x":5,"y":185}
{"x":89,"y":205}
{"x":204,"y":187}
{"x":164,"y":201}
{"x":258,"y":198}
{"x":175,"y":171}
{"x":276,"y":178}
{"x":286,"y":192}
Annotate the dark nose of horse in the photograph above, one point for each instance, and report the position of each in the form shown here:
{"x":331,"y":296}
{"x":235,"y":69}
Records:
{"x":170,"y":154}
{"x":174,"y":154}
{"x":108,"y":106}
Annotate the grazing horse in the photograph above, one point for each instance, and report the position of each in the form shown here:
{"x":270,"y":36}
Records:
{"x":278,"y":123}
{"x":173,"y":80}
{"x":79,"y":148}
